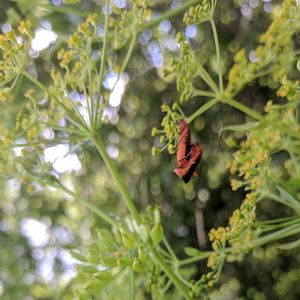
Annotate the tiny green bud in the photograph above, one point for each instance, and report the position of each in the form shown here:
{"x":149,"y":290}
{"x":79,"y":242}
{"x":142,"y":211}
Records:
{"x":137,"y":266}
{"x":128,"y":240}
{"x":165,"y":108}
{"x":142,"y":255}
{"x":144,"y":232}
{"x":157,"y":216}
{"x":155,"y":151}
{"x":157,"y":234}
{"x":162,"y":139}
{"x":155,"y":131}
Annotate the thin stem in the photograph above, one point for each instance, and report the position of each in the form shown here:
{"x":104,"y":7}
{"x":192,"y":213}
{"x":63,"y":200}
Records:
{"x":65,"y":9}
{"x":169,"y":272}
{"x":45,"y":90}
{"x":132,"y":208}
{"x":126,"y":59}
{"x":43,"y":142}
{"x":169,"y":14}
{"x":280,"y":234}
{"x":117,"y":178}
{"x":207,"y":78}
{"x":203,"y":93}
{"x":246,"y":110}
{"x":132,"y":285}
{"x":194,"y":259}
{"x":169,"y":248}
{"x":202,"y":109}
{"x":103,"y":60}
{"x":87,"y":204}
{"x":255,"y":115}
{"x":215,"y":34}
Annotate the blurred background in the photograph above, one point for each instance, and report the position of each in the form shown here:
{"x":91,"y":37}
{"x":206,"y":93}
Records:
{"x":39,"y":226}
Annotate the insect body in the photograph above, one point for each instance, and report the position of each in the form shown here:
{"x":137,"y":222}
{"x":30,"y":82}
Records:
{"x":188,"y":155}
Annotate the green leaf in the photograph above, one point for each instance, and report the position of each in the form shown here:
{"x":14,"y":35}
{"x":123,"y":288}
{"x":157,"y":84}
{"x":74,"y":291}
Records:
{"x":79,"y":256}
{"x":291,"y":245}
{"x":88,"y":269}
{"x":243,"y":127}
{"x":109,"y":261}
{"x":93,"y":286}
{"x":105,"y":240}
{"x":94,"y":253}
{"x":71,"y":1}
{"x":104,"y":277}
{"x":288,"y":199}
{"x":157,"y":234}
{"x":292,"y":184}
{"x":144,"y":232}
{"x":190,"y":251}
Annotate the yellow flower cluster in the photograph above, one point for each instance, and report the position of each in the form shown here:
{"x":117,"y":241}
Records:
{"x":78,"y":41}
{"x":129,"y":21}
{"x":253,"y":160}
{"x":238,"y":233}
{"x":169,"y":134}
{"x":13,"y":46}
{"x":185,"y":67}
{"x":200,"y":13}
{"x":274,"y":54}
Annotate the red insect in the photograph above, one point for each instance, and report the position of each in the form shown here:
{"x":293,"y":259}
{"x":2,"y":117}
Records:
{"x":188,"y":155}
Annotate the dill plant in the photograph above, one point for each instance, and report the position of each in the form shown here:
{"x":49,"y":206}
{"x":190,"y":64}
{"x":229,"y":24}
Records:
{"x":133,"y":252}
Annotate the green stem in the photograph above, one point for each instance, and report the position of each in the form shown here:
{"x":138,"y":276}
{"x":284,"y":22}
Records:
{"x":87,"y":204}
{"x":215,"y":34}
{"x":45,"y":90}
{"x":132,"y":285}
{"x":194,"y":259}
{"x":203,"y":93}
{"x":246,"y":110}
{"x":169,"y":248}
{"x":117,"y":177}
{"x":126,"y":59}
{"x":132,"y":208}
{"x":169,"y":272}
{"x":280,"y":234}
{"x":255,"y":115}
{"x":207,"y":78}
{"x":43,"y":142}
{"x":169,"y":14}
{"x":103,"y":59}
{"x":202,"y":109}
{"x":69,"y":9}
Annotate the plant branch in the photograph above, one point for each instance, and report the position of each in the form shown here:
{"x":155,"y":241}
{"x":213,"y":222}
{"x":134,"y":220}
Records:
{"x":87,"y":204}
{"x":215,"y":34}
{"x":103,"y":59}
{"x":170,"y":273}
{"x":117,"y":177}
{"x":202,"y":109}
{"x":243,"y":108}
{"x":169,"y":14}
{"x":45,"y":90}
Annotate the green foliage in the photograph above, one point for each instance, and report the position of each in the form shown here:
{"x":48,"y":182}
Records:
{"x":121,"y":235}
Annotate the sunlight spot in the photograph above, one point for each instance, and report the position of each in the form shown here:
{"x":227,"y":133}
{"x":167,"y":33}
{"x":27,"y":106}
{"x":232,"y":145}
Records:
{"x":53,"y":153}
{"x":35,"y":231}
{"x":113,"y":151}
{"x":48,"y":133}
{"x":42,"y":39}
{"x":18,"y":150}
{"x":116,"y":95}
{"x":6,"y":27}
{"x":165,"y":26}
{"x":191,"y":31}
{"x":67,"y":164}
